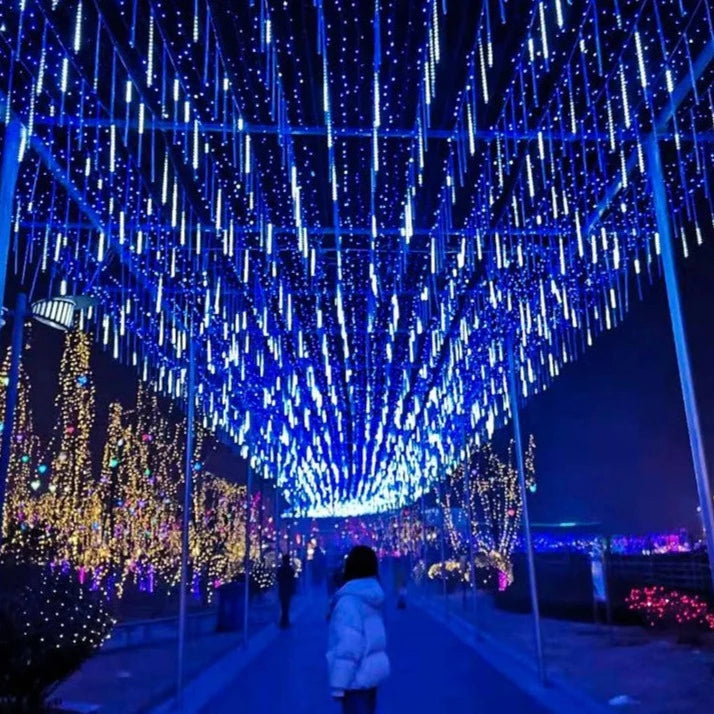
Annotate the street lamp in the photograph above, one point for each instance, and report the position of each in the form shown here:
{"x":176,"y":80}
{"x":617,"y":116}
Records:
{"x":56,"y":312}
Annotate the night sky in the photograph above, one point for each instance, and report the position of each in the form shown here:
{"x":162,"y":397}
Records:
{"x":611,"y":434}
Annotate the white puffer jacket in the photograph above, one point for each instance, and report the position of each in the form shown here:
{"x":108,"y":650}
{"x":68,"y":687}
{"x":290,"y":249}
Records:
{"x":357,"y":649}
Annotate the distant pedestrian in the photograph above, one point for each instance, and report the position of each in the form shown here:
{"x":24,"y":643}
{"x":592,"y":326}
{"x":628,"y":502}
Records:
{"x":318,"y":568}
{"x":402,"y":597}
{"x":357,"y":649}
{"x":336,"y":581}
{"x":286,"y":590}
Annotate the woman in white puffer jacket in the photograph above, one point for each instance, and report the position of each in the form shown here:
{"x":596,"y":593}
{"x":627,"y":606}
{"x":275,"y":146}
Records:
{"x":357,"y":649}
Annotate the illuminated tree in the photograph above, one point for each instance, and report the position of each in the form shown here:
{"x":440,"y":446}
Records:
{"x":491,"y":502}
{"x":124,"y":525}
{"x":26,"y":474}
{"x":109,"y":490}
{"x":156,"y":454}
{"x":73,"y":502}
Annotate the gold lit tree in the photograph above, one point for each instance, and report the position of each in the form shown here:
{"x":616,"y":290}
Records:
{"x":73,"y":503}
{"x":490,"y":503}
{"x":157,"y":455}
{"x":26,"y":473}
{"x":122,"y":525}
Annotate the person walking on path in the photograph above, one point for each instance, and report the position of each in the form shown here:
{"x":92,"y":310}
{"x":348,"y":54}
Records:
{"x":357,"y":643}
{"x":286,"y":590}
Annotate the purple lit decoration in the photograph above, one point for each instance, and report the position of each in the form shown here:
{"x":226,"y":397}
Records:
{"x":653,"y":543}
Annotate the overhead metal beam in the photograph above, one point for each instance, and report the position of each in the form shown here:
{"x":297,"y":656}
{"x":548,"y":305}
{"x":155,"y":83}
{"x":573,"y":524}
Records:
{"x":355,"y":132}
{"x":149,"y":229}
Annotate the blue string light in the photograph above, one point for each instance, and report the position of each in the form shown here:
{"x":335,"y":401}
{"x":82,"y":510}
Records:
{"x":359,"y":208}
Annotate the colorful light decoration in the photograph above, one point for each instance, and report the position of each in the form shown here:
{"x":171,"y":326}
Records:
{"x":23,"y":472}
{"x":360,"y":215}
{"x":124,"y":524}
{"x":490,"y":506}
{"x":659,"y":606}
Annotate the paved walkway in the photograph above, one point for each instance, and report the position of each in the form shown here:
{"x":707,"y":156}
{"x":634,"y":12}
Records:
{"x":431,"y":672}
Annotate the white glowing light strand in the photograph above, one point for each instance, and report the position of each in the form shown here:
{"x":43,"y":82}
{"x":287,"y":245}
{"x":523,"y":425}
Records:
{"x":41,"y":71}
{"x":150,"y":54}
{"x":112,"y":148}
{"x":196,"y":145}
{"x":640,"y":60}
{"x":77,"y":43}
{"x":63,"y":75}
{"x":543,"y":29}
{"x":625,"y":101}
{"x":484,"y":80}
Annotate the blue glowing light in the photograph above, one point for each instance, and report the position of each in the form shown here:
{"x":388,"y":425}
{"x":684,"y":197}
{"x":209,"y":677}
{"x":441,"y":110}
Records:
{"x":359,"y":212}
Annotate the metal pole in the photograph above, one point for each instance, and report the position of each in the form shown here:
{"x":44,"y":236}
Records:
{"x":441,"y":544}
{"x":8,"y":181}
{"x":654,"y":162}
{"x":276,"y":521}
{"x":11,"y":400}
{"x":246,"y":562}
{"x":513,"y":398}
{"x":424,"y":544}
{"x":467,"y":487}
{"x":188,"y":474}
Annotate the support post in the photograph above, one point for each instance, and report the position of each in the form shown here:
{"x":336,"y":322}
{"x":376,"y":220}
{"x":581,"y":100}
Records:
{"x":472,"y":552}
{"x":188,"y":477}
{"x":8,"y":181}
{"x":442,"y":545}
{"x":11,"y":400}
{"x":424,"y":543}
{"x":532,"y":582}
{"x":276,"y":521}
{"x":246,"y":562}
{"x":654,"y":165}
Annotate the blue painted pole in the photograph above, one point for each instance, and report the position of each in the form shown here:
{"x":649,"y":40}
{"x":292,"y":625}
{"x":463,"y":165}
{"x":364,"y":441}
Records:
{"x":669,"y":265}
{"x":532,"y":582}
{"x":11,"y":400}
{"x":442,"y":544}
{"x":8,"y":180}
{"x":246,"y":563}
{"x":469,"y":512}
{"x":188,"y":478}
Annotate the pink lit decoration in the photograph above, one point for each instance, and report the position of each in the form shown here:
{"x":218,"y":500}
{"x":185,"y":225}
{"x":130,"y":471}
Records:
{"x":659,"y":606}
{"x":502,"y":581}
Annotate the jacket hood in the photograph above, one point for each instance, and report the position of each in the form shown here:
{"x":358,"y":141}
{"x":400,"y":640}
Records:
{"x":367,"y":589}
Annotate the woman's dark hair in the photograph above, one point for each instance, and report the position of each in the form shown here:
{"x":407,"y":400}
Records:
{"x":286,"y":559}
{"x":361,"y":563}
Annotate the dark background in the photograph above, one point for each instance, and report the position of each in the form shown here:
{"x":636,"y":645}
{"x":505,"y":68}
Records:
{"x":611,"y":434}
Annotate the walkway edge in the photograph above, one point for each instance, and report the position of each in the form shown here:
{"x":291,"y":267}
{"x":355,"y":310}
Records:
{"x":559,"y":696}
{"x":201,"y":689}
